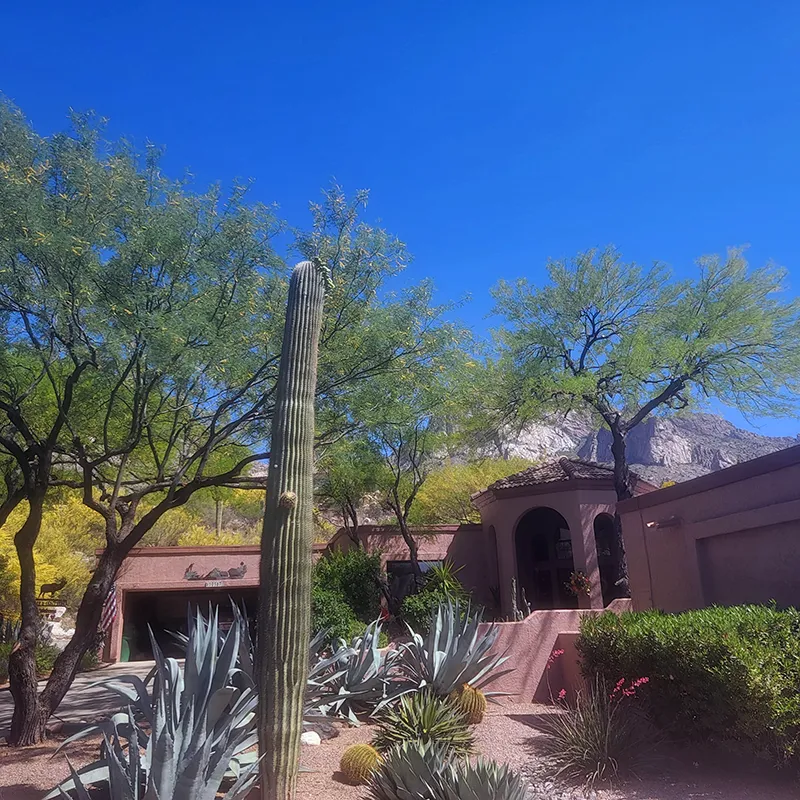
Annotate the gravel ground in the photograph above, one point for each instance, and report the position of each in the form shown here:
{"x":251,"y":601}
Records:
{"x":28,"y":773}
{"x":507,"y":734}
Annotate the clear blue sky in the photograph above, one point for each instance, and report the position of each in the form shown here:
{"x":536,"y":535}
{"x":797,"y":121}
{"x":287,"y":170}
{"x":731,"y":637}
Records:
{"x":492,"y":135}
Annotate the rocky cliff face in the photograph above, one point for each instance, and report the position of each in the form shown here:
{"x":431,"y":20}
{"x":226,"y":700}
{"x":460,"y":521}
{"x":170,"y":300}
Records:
{"x":675,"y":448}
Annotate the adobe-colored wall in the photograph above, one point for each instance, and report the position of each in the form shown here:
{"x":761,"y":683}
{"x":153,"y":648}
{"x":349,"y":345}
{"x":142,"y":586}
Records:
{"x":578,"y":505}
{"x":729,"y":538}
{"x":528,"y":645}
{"x":469,"y":547}
{"x":162,"y":569}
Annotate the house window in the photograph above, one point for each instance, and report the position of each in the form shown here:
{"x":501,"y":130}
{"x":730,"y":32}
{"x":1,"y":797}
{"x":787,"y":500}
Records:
{"x":401,"y":576}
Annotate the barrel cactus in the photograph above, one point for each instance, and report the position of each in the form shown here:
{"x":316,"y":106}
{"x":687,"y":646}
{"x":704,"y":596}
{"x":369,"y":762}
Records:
{"x":358,"y":763}
{"x":472,"y":702}
{"x":284,"y":617}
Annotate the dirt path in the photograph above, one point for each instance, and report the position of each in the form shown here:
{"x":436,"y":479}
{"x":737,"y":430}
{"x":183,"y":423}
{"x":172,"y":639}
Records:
{"x":507,"y":735}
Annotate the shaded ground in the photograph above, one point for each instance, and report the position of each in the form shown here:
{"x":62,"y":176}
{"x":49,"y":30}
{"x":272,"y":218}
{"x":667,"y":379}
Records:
{"x":83,"y":701}
{"x":507,"y":734}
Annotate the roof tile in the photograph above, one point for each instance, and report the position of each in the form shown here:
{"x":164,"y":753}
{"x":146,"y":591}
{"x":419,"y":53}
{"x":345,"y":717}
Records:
{"x":564,"y":469}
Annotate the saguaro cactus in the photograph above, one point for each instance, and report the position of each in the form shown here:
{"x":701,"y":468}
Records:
{"x":284,"y":614}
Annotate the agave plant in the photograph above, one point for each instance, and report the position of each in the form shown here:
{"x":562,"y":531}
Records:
{"x":356,"y":678}
{"x":425,"y":772}
{"x":180,"y":741}
{"x":428,"y":719}
{"x":453,"y":652}
{"x":344,"y":678}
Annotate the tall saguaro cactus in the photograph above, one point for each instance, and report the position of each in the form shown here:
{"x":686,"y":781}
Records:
{"x":284,"y":614}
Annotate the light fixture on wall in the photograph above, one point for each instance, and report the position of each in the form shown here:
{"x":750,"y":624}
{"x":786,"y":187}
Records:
{"x":668,"y":522}
{"x":564,"y":543}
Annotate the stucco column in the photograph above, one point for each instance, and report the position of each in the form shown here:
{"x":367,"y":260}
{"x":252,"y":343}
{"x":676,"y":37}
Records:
{"x":584,"y":551}
{"x":506,"y":564}
{"x":115,"y":646}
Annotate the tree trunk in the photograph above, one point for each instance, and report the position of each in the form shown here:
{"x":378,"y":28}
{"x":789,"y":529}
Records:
{"x":218,"y":518}
{"x":624,"y":489}
{"x":87,"y":621}
{"x":413,"y":551}
{"x":28,"y":720}
{"x":32,"y":710}
{"x":350,"y":519}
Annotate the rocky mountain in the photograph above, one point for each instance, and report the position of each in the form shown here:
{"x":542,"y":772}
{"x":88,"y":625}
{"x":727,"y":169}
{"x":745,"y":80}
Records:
{"x":662,"y":448}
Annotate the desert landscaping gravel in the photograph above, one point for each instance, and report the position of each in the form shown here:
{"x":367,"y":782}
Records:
{"x":507,"y":734}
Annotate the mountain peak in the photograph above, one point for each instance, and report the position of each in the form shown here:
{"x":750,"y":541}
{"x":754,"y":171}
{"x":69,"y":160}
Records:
{"x":674,"y":448}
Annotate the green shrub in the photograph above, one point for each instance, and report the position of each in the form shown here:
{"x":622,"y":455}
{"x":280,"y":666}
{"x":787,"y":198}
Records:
{"x":716,"y":673}
{"x":604,"y":736}
{"x":90,"y":661}
{"x":440,"y":585}
{"x":331,"y":614}
{"x":5,"y":651}
{"x":424,"y":718}
{"x":353,"y":574}
{"x":345,"y":595}
{"x":46,"y":655}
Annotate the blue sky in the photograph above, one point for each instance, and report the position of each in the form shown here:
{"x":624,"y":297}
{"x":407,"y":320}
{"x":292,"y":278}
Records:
{"x":492,"y":135}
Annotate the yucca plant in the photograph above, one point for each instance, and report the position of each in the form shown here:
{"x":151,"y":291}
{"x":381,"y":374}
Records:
{"x":603,"y":736}
{"x":428,"y":719}
{"x":180,"y":741}
{"x":453,"y":652}
{"x":425,"y":772}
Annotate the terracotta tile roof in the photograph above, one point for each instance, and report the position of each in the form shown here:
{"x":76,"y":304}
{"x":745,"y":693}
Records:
{"x":564,"y":469}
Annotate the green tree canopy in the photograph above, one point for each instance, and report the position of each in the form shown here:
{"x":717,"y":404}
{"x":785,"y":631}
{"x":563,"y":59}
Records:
{"x":140,"y":331}
{"x":625,"y":342}
{"x":445,"y":496}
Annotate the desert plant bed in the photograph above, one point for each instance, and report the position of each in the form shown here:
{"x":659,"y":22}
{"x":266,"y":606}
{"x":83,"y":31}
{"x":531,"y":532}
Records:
{"x":507,"y":734}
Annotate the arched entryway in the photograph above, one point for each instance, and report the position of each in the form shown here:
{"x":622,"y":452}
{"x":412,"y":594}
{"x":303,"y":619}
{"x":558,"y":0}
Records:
{"x":544,"y":559}
{"x":605,"y":540}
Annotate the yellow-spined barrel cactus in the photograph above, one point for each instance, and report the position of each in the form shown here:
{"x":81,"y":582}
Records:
{"x":359,"y":762}
{"x":472,"y":702}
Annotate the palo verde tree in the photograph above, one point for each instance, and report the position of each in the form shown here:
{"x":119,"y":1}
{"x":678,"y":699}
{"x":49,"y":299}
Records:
{"x":624,"y":342}
{"x":140,"y":332}
{"x":414,"y":425}
{"x":445,"y":496}
{"x":349,"y":472}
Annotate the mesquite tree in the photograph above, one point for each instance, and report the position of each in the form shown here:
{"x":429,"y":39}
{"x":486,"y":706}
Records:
{"x":284,"y":603}
{"x":623,"y":342}
{"x":140,"y":326}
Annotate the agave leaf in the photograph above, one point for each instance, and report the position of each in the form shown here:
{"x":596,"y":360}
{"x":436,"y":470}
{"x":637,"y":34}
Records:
{"x":96,"y":772}
{"x":162,"y":767}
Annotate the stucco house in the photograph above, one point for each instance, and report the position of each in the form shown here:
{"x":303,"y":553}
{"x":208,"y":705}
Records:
{"x":729,"y":537}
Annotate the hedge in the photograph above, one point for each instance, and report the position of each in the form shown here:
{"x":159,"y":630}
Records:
{"x":717,"y":673}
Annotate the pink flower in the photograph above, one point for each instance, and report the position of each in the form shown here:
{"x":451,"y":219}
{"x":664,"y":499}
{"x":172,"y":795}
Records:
{"x":553,"y":656}
{"x":562,"y":694}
